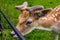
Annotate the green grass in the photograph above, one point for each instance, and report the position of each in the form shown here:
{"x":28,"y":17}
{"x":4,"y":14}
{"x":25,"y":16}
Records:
{"x":8,"y":6}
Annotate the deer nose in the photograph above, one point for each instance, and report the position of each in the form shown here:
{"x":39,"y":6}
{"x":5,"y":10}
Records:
{"x":28,"y":22}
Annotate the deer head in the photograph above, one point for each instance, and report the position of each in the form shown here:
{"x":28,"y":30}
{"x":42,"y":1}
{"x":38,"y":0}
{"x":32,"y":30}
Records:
{"x":28,"y":16}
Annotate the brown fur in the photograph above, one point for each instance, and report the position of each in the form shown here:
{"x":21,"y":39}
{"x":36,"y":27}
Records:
{"x":55,"y":16}
{"x":51,"y":20}
{"x":23,"y":17}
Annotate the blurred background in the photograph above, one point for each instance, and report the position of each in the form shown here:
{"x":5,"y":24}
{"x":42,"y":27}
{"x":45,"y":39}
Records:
{"x":8,"y":6}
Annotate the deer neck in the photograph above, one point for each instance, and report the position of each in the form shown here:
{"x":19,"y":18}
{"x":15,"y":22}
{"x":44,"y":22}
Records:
{"x":51,"y":18}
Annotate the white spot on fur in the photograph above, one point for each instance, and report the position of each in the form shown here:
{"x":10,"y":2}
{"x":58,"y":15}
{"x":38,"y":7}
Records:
{"x":56,"y":14}
{"x":53,"y":15}
{"x":58,"y":9}
{"x":55,"y":19}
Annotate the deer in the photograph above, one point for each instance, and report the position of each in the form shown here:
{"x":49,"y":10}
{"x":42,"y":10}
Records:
{"x":28,"y":17}
{"x":51,"y":21}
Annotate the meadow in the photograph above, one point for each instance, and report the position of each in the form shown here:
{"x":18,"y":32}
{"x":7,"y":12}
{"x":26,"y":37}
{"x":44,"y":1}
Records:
{"x":8,"y":6}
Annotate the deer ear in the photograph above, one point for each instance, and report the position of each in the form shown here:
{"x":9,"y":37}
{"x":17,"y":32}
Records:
{"x":22,"y":7}
{"x":46,"y":11}
{"x":25,"y":4}
{"x":34,"y":8}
